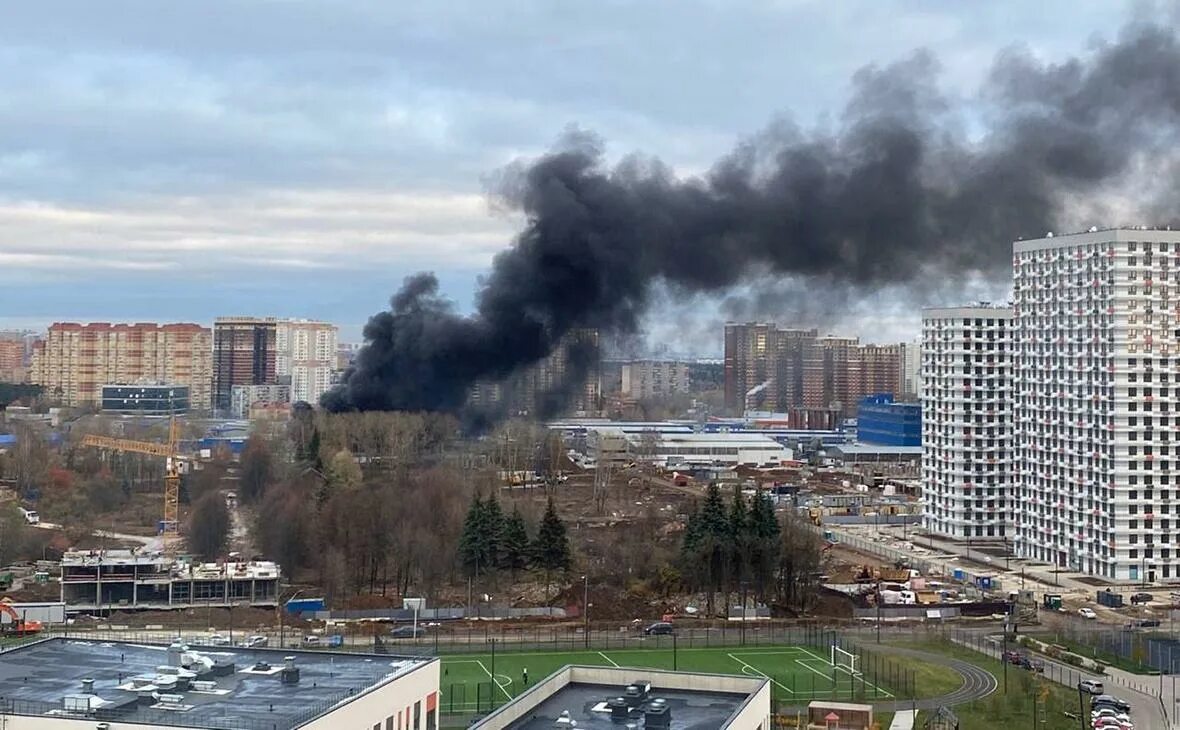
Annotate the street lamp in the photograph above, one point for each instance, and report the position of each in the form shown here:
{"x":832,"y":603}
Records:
{"x":586,"y":610}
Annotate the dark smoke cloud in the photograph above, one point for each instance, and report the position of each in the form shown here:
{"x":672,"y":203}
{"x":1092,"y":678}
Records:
{"x":896,"y":193}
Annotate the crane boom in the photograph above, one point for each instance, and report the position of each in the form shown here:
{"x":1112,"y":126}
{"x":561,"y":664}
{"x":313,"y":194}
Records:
{"x":171,"y":465}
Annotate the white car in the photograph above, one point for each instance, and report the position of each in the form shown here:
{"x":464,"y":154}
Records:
{"x":255,"y":641}
{"x":1092,"y":686}
{"x":1087,"y":613}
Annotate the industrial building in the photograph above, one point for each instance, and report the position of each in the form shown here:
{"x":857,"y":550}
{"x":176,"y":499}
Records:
{"x":849,"y":454}
{"x":244,"y":353}
{"x":588,"y":697}
{"x":611,"y":445}
{"x":70,"y":684}
{"x":75,"y":361}
{"x":967,"y":435}
{"x":93,"y":580}
{"x":882,"y":421}
{"x":146,"y":400}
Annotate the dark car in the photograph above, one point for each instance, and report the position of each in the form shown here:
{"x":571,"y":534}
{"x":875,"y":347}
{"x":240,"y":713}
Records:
{"x":1142,"y":598}
{"x":658,"y":628}
{"x":1012,"y":657}
{"x":1032,"y":665}
{"x":407,"y":632}
{"x":1108,"y":701}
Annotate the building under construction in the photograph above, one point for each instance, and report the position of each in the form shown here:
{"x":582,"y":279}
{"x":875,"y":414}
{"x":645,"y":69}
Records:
{"x":96,"y":580}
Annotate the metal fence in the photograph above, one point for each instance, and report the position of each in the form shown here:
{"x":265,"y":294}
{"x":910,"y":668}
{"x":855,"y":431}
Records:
{"x":1134,"y":650}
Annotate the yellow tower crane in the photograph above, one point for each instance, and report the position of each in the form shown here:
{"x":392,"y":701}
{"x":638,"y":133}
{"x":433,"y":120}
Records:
{"x":172,"y":458}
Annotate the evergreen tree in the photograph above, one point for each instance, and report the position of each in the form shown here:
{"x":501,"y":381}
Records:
{"x":551,"y":548}
{"x":765,"y":542}
{"x":737,"y":539}
{"x":472,"y":542}
{"x":714,"y":532}
{"x":493,"y":526}
{"x":515,"y":541}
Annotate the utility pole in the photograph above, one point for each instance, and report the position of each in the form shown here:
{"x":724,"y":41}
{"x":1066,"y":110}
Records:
{"x":586,"y":609}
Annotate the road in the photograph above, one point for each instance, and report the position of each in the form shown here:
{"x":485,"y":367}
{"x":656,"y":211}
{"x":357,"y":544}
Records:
{"x":153,"y":543}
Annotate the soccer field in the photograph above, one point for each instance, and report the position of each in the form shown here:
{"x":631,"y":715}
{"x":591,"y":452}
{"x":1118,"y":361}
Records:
{"x":480,"y":682}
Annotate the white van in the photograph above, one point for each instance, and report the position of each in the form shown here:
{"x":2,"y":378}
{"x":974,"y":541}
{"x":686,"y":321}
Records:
{"x":30,"y":516}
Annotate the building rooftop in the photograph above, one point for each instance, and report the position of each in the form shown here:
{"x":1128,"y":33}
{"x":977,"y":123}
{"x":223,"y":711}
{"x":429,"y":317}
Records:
{"x":145,"y":683}
{"x":862,"y":449}
{"x":585,"y":695}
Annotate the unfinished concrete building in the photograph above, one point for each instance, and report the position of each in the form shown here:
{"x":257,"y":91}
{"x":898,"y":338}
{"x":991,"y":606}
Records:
{"x":94,"y":580}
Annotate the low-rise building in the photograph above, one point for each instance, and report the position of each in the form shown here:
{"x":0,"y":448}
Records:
{"x":66,"y":684}
{"x":882,"y":421}
{"x":579,"y":696}
{"x":146,"y":400}
{"x":93,"y":580}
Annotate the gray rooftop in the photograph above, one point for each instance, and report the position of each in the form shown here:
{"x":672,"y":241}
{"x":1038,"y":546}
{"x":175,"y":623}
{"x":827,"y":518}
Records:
{"x":690,"y":709}
{"x":46,"y":678}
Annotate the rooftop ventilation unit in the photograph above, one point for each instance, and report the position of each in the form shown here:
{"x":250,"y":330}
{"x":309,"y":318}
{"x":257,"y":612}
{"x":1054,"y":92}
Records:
{"x":290,"y":673}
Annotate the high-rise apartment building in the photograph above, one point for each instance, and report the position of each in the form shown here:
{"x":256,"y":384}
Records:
{"x":566,"y":381}
{"x":773,"y":369}
{"x":654,"y":378}
{"x":306,"y":353}
{"x":244,"y":353}
{"x":12,"y":357}
{"x":75,"y":361}
{"x":909,"y":385}
{"x":1098,"y":402}
{"x":968,"y":459}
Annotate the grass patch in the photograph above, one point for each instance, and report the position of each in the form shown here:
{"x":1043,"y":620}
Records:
{"x":1016,"y":705}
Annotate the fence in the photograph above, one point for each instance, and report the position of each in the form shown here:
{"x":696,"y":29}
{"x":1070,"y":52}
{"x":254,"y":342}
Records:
{"x":1132,"y":650}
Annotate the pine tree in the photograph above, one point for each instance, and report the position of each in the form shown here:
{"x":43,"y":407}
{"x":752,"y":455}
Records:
{"x":737,"y":542}
{"x":515,"y":540}
{"x":551,"y":548}
{"x":714,"y":528}
{"x":765,"y":542}
{"x":493,"y":526}
{"x":472,"y":545}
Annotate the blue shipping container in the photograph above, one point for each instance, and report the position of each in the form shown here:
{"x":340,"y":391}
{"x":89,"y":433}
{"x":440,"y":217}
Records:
{"x":305,"y":605}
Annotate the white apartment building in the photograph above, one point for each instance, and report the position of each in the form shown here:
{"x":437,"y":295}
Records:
{"x":1096,"y":372}
{"x":910,"y":382}
{"x":306,"y":352}
{"x":967,"y":457}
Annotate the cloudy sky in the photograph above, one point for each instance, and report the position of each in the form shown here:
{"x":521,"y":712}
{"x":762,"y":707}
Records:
{"x":183,"y":160}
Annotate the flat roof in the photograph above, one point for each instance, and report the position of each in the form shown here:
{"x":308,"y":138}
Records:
{"x":862,"y":449}
{"x":690,"y":709}
{"x":37,"y":679}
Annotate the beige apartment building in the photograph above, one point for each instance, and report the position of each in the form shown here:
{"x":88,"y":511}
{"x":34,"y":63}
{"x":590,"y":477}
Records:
{"x":306,"y":353}
{"x":75,"y":360}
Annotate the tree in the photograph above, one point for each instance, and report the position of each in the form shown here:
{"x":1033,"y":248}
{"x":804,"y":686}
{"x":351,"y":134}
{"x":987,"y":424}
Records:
{"x":257,"y":470}
{"x":493,"y":525}
{"x":515,"y":539}
{"x":343,"y":472}
{"x":765,"y":546}
{"x":473,"y":549}
{"x":714,"y":535}
{"x":28,"y":461}
{"x":551,"y":547}
{"x":737,"y":542}
{"x":208,"y":526}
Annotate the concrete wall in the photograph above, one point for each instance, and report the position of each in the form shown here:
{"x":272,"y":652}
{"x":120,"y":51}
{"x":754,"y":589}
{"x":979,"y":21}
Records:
{"x":392,"y":701}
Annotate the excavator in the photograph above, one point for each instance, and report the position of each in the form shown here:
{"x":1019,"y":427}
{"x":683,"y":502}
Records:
{"x":17,"y":626}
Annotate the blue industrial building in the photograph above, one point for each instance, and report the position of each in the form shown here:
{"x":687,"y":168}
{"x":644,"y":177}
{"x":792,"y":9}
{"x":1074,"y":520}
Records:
{"x":884,"y":422}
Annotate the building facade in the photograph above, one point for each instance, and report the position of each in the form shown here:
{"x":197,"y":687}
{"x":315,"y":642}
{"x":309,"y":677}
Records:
{"x":244,"y":353}
{"x":654,"y":378}
{"x":1096,"y":374}
{"x":968,"y":459}
{"x":909,"y":385}
{"x":75,"y":361}
{"x":882,"y":421}
{"x":306,"y":355}
{"x":245,"y":397}
{"x":146,"y":400}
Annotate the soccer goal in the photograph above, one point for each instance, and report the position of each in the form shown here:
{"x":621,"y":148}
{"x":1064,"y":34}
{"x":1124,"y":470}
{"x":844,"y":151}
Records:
{"x":846,"y":660}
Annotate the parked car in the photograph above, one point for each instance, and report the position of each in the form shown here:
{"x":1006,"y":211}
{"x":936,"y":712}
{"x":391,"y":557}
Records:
{"x":311,"y":640}
{"x":659,"y":628}
{"x":1108,"y":701}
{"x":1087,"y":613}
{"x":1110,"y":723}
{"x":218,"y":640}
{"x":1109,"y":712}
{"x":1142,"y":598}
{"x":1093,"y":686}
{"x":254,"y":641}
{"x":407,"y":632}
{"x":1011,"y":657}
{"x":1032,"y":665}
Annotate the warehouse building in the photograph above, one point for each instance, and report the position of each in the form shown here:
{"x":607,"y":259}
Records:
{"x":67,"y":684}
{"x":578,"y":696}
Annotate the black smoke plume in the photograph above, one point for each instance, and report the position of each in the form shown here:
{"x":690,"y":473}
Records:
{"x":909,"y":187}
